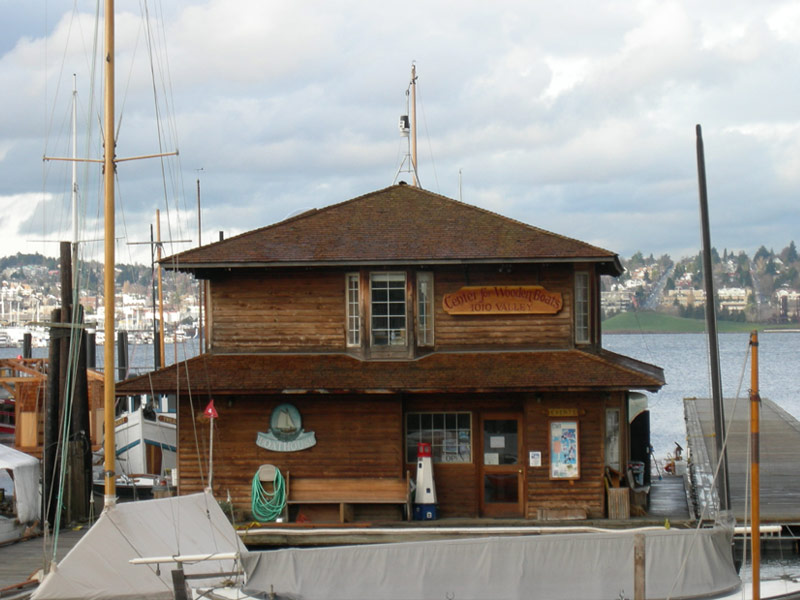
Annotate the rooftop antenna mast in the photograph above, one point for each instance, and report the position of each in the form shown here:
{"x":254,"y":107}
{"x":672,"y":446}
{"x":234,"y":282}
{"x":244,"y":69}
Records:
{"x":408,"y":129}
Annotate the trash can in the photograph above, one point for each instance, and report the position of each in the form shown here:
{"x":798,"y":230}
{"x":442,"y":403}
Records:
{"x":637,"y":470}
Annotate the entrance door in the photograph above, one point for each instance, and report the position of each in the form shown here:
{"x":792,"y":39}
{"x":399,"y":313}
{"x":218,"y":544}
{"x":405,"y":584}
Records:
{"x":502,"y":472}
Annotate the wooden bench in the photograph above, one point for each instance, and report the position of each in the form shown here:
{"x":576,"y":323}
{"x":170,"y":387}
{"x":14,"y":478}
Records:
{"x":347,"y":491}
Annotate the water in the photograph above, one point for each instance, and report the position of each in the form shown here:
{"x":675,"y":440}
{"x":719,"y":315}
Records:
{"x":684,"y":358}
{"x":140,"y":356}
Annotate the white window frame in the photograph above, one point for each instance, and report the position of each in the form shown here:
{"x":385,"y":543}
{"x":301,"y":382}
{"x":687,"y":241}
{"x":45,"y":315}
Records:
{"x":425,"y":308}
{"x":582,"y":308}
{"x":353,"y":301}
{"x":395,"y":336}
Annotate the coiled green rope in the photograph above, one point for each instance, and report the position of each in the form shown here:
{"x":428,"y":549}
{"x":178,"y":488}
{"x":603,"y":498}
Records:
{"x":266,"y":506}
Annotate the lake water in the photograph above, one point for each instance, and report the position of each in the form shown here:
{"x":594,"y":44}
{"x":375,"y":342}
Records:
{"x":684,"y":358}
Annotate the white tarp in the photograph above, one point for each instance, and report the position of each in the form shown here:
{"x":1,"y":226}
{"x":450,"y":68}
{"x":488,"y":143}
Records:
{"x":25,"y":469}
{"x":98,"y":566}
{"x":558,"y":566}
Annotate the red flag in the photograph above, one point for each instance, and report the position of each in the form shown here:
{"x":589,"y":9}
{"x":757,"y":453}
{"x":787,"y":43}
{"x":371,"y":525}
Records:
{"x":210,"y":411}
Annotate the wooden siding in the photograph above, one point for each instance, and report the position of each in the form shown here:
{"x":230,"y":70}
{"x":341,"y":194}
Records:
{"x":586,"y":493}
{"x":295,"y":312}
{"x":359,"y":437}
{"x":304,"y":311}
{"x":355,"y":438}
{"x":504,"y":331}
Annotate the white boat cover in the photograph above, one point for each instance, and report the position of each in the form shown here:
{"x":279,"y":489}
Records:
{"x":98,"y":565}
{"x":557,"y":566}
{"x":25,"y":469}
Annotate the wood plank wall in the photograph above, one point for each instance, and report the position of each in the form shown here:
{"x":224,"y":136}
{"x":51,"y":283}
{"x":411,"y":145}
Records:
{"x":355,"y":438}
{"x":365,"y":437}
{"x":302,"y":311}
{"x":588,"y":492}
{"x":290,"y":312}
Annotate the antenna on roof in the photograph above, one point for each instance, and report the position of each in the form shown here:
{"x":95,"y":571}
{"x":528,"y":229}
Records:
{"x":408,"y":129}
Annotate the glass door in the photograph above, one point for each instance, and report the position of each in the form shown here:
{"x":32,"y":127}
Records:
{"x":502,"y":473}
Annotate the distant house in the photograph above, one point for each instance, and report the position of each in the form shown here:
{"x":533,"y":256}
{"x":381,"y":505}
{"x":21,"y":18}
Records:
{"x":341,"y":338}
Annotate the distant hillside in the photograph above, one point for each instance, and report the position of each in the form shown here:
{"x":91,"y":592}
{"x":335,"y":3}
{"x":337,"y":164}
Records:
{"x":653,"y":322}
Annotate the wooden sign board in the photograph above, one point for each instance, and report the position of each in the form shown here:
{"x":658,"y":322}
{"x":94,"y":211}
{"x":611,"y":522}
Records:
{"x":562,"y":412}
{"x":502,"y":300}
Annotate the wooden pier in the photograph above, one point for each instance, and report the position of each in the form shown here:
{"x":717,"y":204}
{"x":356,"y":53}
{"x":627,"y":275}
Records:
{"x":21,"y":560}
{"x":779,"y":458}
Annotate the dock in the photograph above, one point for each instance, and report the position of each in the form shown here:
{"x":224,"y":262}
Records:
{"x":20,"y":561}
{"x":779,"y":458}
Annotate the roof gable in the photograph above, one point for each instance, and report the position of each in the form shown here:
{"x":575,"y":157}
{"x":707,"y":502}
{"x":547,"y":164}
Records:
{"x":400,"y":223}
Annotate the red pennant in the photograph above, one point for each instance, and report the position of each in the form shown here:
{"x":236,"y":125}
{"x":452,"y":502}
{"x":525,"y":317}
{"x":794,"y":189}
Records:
{"x":210,"y":411}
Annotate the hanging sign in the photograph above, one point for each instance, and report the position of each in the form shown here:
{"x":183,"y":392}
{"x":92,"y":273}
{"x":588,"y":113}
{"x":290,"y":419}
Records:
{"x":502,"y":300}
{"x":285,"y":432}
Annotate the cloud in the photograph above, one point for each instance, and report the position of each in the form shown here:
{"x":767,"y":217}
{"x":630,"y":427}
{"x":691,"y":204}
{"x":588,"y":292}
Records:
{"x":576,"y":117}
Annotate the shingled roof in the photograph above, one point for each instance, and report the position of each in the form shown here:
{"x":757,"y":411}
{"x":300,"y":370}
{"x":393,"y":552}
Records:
{"x":400,"y":224}
{"x":554,"y":370}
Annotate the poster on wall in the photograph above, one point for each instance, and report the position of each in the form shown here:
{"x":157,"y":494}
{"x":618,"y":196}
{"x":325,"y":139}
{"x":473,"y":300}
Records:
{"x":564,"y":455}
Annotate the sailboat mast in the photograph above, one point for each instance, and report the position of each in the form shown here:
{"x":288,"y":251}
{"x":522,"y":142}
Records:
{"x":74,"y":181}
{"x":109,"y":260}
{"x":711,"y":324}
{"x":755,"y":475}
{"x":414,"y":125}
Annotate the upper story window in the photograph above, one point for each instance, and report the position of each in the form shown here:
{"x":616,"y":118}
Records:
{"x":353,"y":310}
{"x":581,"y":308}
{"x":425,"y":308}
{"x":388,"y":308}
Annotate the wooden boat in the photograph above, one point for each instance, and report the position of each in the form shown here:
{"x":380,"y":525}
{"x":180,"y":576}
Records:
{"x":145,"y":438}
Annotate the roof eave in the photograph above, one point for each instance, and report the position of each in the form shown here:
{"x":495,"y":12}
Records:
{"x":608,"y":265}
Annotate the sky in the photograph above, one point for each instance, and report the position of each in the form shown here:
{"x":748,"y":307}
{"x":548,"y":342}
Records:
{"x":577,"y":117}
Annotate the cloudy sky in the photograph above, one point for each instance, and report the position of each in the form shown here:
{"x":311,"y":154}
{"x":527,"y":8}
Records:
{"x":578,"y":117}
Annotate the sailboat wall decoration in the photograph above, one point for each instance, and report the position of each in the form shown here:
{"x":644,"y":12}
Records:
{"x":286,"y":433}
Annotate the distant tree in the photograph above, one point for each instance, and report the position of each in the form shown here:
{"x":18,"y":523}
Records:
{"x":715,"y":260}
{"x":771,"y":268}
{"x":762,"y":254}
{"x":788,"y":277}
{"x":743,"y":259}
{"x":670,"y":285}
{"x":789,"y":254}
{"x":637,"y":260}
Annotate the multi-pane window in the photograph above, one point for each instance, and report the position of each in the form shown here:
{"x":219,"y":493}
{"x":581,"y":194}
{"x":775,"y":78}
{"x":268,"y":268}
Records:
{"x":388,"y":297}
{"x":425,"y":308}
{"x":448,"y":433}
{"x":581,"y":307}
{"x":353,"y":311}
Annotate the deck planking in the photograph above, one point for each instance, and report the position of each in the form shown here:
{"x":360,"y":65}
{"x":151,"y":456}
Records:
{"x":779,"y":456}
{"x":668,"y":498}
{"x":21,"y":560}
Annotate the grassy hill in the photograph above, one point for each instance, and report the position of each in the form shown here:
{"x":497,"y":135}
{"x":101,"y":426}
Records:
{"x":652,"y":322}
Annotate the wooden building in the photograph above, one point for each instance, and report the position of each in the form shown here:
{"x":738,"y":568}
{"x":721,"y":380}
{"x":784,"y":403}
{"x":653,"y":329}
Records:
{"x":24,"y":382}
{"x":340,"y":338}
